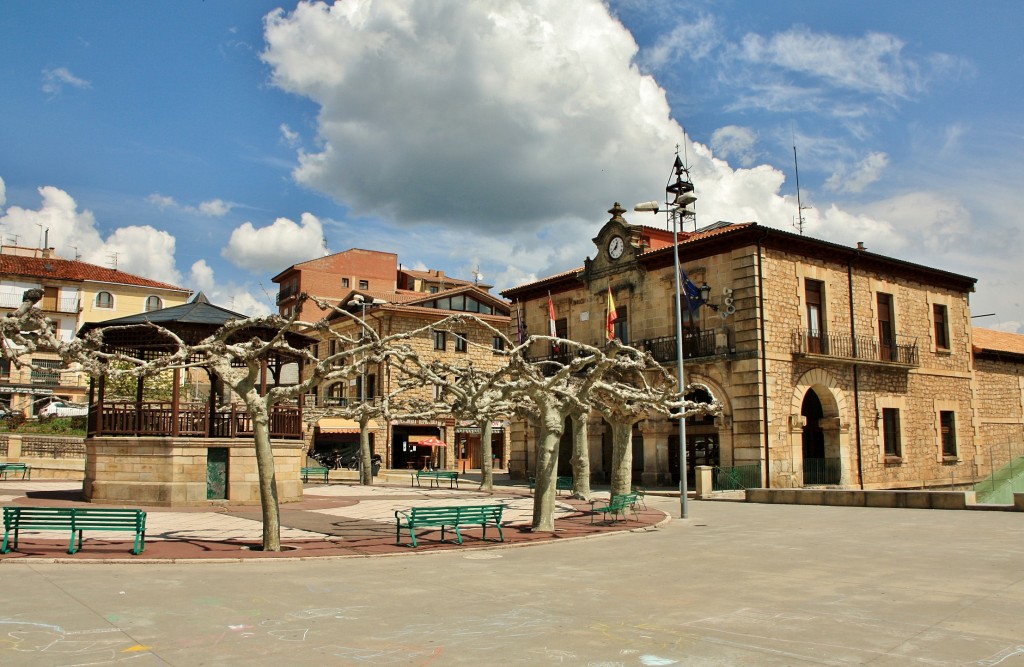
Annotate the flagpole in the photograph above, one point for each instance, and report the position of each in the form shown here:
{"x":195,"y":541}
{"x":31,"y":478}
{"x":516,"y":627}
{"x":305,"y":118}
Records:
{"x":683,"y":509}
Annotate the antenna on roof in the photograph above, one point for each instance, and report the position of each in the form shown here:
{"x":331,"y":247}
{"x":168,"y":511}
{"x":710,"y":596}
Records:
{"x":799,"y":224}
{"x":113,"y":259}
{"x":77,"y":256}
{"x":477,"y":276}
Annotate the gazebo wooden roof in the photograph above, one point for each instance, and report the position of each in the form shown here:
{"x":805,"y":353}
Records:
{"x":136,"y":336}
{"x":192,"y":322}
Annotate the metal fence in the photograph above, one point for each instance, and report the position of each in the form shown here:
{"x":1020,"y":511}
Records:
{"x":820,"y":472}
{"x":736,"y":478}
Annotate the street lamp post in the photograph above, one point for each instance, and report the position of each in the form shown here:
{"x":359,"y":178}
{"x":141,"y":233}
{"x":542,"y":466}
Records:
{"x":358,"y":300}
{"x":678,"y":196}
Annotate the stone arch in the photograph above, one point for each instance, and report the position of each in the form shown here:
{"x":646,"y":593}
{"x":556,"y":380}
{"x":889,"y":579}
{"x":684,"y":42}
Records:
{"x":833,"y":398}
{"x":829,"y":408}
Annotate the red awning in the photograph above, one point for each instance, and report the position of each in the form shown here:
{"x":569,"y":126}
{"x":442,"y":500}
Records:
{"x":430,"y":442}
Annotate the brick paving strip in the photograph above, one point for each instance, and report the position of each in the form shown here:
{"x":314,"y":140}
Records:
{"x":332,"y":520}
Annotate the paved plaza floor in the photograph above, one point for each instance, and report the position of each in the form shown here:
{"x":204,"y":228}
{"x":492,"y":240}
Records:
{"x":733,"y":584}
{"x":336,"y":519}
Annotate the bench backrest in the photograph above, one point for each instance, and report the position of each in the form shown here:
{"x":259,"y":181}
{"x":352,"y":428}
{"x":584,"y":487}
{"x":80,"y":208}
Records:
{"x":14,"y":466}
{"x":623,"y":500}
{"x":75,"y":518}
{"x":462,"y":513}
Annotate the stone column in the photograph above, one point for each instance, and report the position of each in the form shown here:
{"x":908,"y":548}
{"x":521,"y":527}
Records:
{"x":837,"y":439}
{"x":704,"y":481}
{"x":656,"y":432}
{"x":595,"y":447}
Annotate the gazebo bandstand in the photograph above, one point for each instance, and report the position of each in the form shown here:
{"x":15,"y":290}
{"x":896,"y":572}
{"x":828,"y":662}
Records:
{"x":176,"y":453}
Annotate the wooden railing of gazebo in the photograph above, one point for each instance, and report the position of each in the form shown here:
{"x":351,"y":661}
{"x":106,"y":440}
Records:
{"x":188,"y":420}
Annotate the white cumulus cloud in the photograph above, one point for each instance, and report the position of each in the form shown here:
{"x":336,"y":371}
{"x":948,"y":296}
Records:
{"x":473,"y":114}
{"x":280,"y":244}
{"x":735,"y":141}
{"x":217,"y":208}
{"x":139,"y":249}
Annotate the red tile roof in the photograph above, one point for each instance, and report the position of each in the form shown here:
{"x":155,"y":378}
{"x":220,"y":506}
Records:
{"x":64,"y":269}
{"x":998,"y":341}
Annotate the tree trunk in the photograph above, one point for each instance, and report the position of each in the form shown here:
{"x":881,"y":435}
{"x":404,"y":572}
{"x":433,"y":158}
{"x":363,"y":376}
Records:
{"x":365,"y":455}
{"x":547,"y":471}
{"x":486,"y":462}
{"x":259,"y":412}
{"x":622,"y":458}
{"x":580,"y":456}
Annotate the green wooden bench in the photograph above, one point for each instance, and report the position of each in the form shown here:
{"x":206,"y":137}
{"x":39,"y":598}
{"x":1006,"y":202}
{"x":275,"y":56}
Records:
{"x":315,"y":471}
{"x":448,"y":517}
{"x":435,"y":477}
{"x":641,"y":497}
{"x":24,"y":469}
{"x":561,"y":483}
{"x":74,"y":519}
{"x":616,"y":506}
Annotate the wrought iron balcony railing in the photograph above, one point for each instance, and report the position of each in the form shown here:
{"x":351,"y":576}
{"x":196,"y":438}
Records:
{"x":695,"y":344}
{"x":64,"y":304}
{"x":901,"y":351}
{"x":285,"y":294}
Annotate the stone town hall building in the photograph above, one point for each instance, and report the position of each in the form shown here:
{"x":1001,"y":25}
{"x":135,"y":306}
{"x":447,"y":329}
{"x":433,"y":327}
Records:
{"x":834,"y":365}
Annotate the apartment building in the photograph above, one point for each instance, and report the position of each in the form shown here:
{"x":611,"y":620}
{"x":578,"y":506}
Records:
{"x":74,"y":293}
{"x":401,"y":311}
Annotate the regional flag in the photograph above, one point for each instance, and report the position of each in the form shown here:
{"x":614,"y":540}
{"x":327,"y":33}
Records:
{"x":551,"y":320}
{"x":612,"y":316}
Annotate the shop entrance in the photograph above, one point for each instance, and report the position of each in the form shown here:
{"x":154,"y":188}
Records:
{"x":406,"y":453}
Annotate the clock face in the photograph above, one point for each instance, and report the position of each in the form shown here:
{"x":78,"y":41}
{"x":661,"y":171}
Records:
{"x":615,"y":247}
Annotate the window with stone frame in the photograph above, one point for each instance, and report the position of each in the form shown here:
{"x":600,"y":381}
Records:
{"x":498,"y":344}
{"x":886,"y":327}
{"x":891,"y":432}
{"x":940,"y":318}
{"x":461,"y":342}
{"x":621,"y":325}
{"x":947,"y":430}
{"x":440,"y":340}
{"x":814,"y":293}
{"x":561,"y":331}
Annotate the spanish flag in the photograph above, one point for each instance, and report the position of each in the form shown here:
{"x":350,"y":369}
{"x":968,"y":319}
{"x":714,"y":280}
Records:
{"x":551,"y":321}
{"x":612,"y":315}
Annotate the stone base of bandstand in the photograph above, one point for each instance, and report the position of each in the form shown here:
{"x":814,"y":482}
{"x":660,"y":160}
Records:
{"x":172,"y":472}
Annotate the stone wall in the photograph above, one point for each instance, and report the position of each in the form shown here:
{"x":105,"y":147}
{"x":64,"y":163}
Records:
{"x":51,"y":457}
{"x":173,"y":471}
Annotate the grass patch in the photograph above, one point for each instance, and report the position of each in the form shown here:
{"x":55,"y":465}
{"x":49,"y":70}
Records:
{"x":75,"y":426}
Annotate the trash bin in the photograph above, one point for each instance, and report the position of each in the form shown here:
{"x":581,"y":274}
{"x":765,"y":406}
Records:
{"x":375,"y":464}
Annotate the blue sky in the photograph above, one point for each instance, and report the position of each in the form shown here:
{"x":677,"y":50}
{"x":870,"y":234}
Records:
{"x":213,"y":144}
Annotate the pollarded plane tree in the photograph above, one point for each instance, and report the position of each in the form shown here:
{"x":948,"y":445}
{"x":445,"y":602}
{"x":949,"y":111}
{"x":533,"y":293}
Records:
{"x":555,"y":389}
{"x":351,"y":357}
{"x":464,"y":391}
{"x":637,"y":388}
{"x":235,"y":353}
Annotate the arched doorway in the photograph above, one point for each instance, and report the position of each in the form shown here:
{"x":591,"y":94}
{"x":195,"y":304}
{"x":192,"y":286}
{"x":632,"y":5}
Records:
{"x":818,"y":467}
{"x":702,"y":441}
